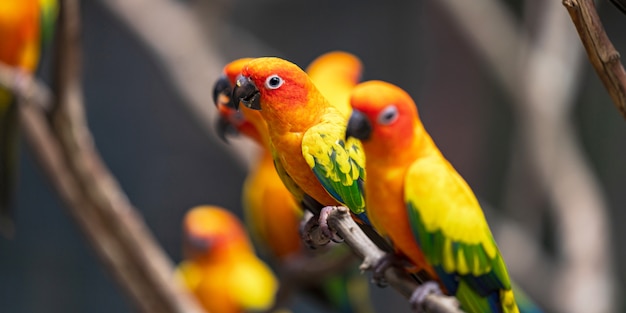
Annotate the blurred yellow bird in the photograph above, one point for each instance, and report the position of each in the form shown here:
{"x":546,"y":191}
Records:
{"x":220,"y":266}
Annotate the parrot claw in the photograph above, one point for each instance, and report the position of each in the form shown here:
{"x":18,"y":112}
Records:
{"x":389,"y":260}
{"x":311,"y":233}
{"x":323,"y":224}
{"x":420,"y":293}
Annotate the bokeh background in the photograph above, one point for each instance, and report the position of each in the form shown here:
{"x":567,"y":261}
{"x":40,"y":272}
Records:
{"x":167,"y":161}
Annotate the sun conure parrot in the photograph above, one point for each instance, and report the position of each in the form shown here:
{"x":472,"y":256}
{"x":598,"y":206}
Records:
{"x":25,"y":25}
{"x":220,"y":267}
{"x":272,"y":214}
{"x":306,"y":135}
{"x":417,"y":199}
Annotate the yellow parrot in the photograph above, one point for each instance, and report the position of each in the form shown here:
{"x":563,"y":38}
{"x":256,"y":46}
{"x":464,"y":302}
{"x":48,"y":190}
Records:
{"x":417,"y":199}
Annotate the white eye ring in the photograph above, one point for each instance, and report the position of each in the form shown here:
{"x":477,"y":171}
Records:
{"x":274,"y":82}
{"x":388,"y":115}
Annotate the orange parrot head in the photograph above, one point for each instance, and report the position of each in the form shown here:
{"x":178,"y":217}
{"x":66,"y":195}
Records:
{"x":212,"y":232}
{"x":276,"y":86}
{"x":382,"y":114}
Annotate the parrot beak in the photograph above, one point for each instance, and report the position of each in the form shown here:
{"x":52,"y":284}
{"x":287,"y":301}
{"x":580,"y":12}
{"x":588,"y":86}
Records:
{"x":359,"y":126}
{"x":246,"y":92}
{"x":228,"y":122}
{"x":199,"y":243}
{"x":224,"y":127}
{"x":222,"y":91}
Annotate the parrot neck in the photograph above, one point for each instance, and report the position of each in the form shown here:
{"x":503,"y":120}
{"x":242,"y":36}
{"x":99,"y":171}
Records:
{"x":299,"y":117}
{"x":260,"y":134}
{"x":423,"y":143}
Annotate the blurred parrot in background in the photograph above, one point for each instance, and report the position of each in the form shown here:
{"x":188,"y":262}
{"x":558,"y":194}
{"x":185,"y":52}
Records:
{"x":306,"y":134}
{"x":417,"y":199}
{"x":25,"y":27}
{"x":271,"y":212}
{"x":220,"y":267}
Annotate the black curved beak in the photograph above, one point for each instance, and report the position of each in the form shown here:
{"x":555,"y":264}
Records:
{"x":223,"y":128}
{"x":359,"y":126}
{"x":200,"y":243}
{"x":221,"y":88}
{"x":246,"y":92}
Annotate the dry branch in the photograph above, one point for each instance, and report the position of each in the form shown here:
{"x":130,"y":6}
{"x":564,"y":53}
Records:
{"x":545,"y":86}
{"x":340,"y":220}
{"x":66,"y":152}
{"x":601,"y":52}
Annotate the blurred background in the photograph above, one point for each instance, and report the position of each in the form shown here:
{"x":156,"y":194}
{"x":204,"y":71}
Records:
{"x":513,"y":145}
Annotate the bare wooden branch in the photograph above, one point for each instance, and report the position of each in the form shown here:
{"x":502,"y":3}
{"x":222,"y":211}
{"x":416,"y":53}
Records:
{"x":340,"y":220}
{"x":600,"y":50}
{"x":94,"y":199}
{"x":545,"y":86}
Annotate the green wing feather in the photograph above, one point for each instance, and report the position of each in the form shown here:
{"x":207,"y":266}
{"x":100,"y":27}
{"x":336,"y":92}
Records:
{"x":338,"y":164}
{"x":453,"y":234}
{"x":49,"y":13}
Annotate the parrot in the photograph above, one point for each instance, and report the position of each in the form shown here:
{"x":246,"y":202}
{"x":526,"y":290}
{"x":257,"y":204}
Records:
{"x":306,"y":131}
{"x":418,"y":200}
{"x":220,"y":267}
{"x":263,"y":190}
{"x":271,"y":212}
{"x":25,"y":26}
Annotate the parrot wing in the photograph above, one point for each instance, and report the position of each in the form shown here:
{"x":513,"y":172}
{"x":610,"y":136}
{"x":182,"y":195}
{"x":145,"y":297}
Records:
{"x":49,"y":13}
{"x":451,"y":230}
{"x":337,"y":164}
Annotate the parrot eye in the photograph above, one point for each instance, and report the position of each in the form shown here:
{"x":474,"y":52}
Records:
{"x":274,"y":82}
{"x":388,"y":115}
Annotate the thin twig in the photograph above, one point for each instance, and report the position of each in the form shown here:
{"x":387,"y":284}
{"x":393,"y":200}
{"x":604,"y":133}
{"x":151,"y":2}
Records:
{"x":94,"y":199}
{"x":601,"y":52}
{"x":340,"y":220}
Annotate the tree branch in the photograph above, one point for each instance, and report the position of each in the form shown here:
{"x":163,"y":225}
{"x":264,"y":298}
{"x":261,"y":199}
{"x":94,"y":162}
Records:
{"x":601,"y":52}
{"x":340,"y":220}
{"x":543,"y":97}
{"x":67,"y":154}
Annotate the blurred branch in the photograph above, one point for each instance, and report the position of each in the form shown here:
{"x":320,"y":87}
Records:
{"x":340,"y":220}
{"x":28,"y":90}
{"x":66,"y":152}
{"x":189,"y":53}
{"x":602,"y":55}
{"x":501,"y":43}
{"x":544,"y":88}
{"x":585,"y":278}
